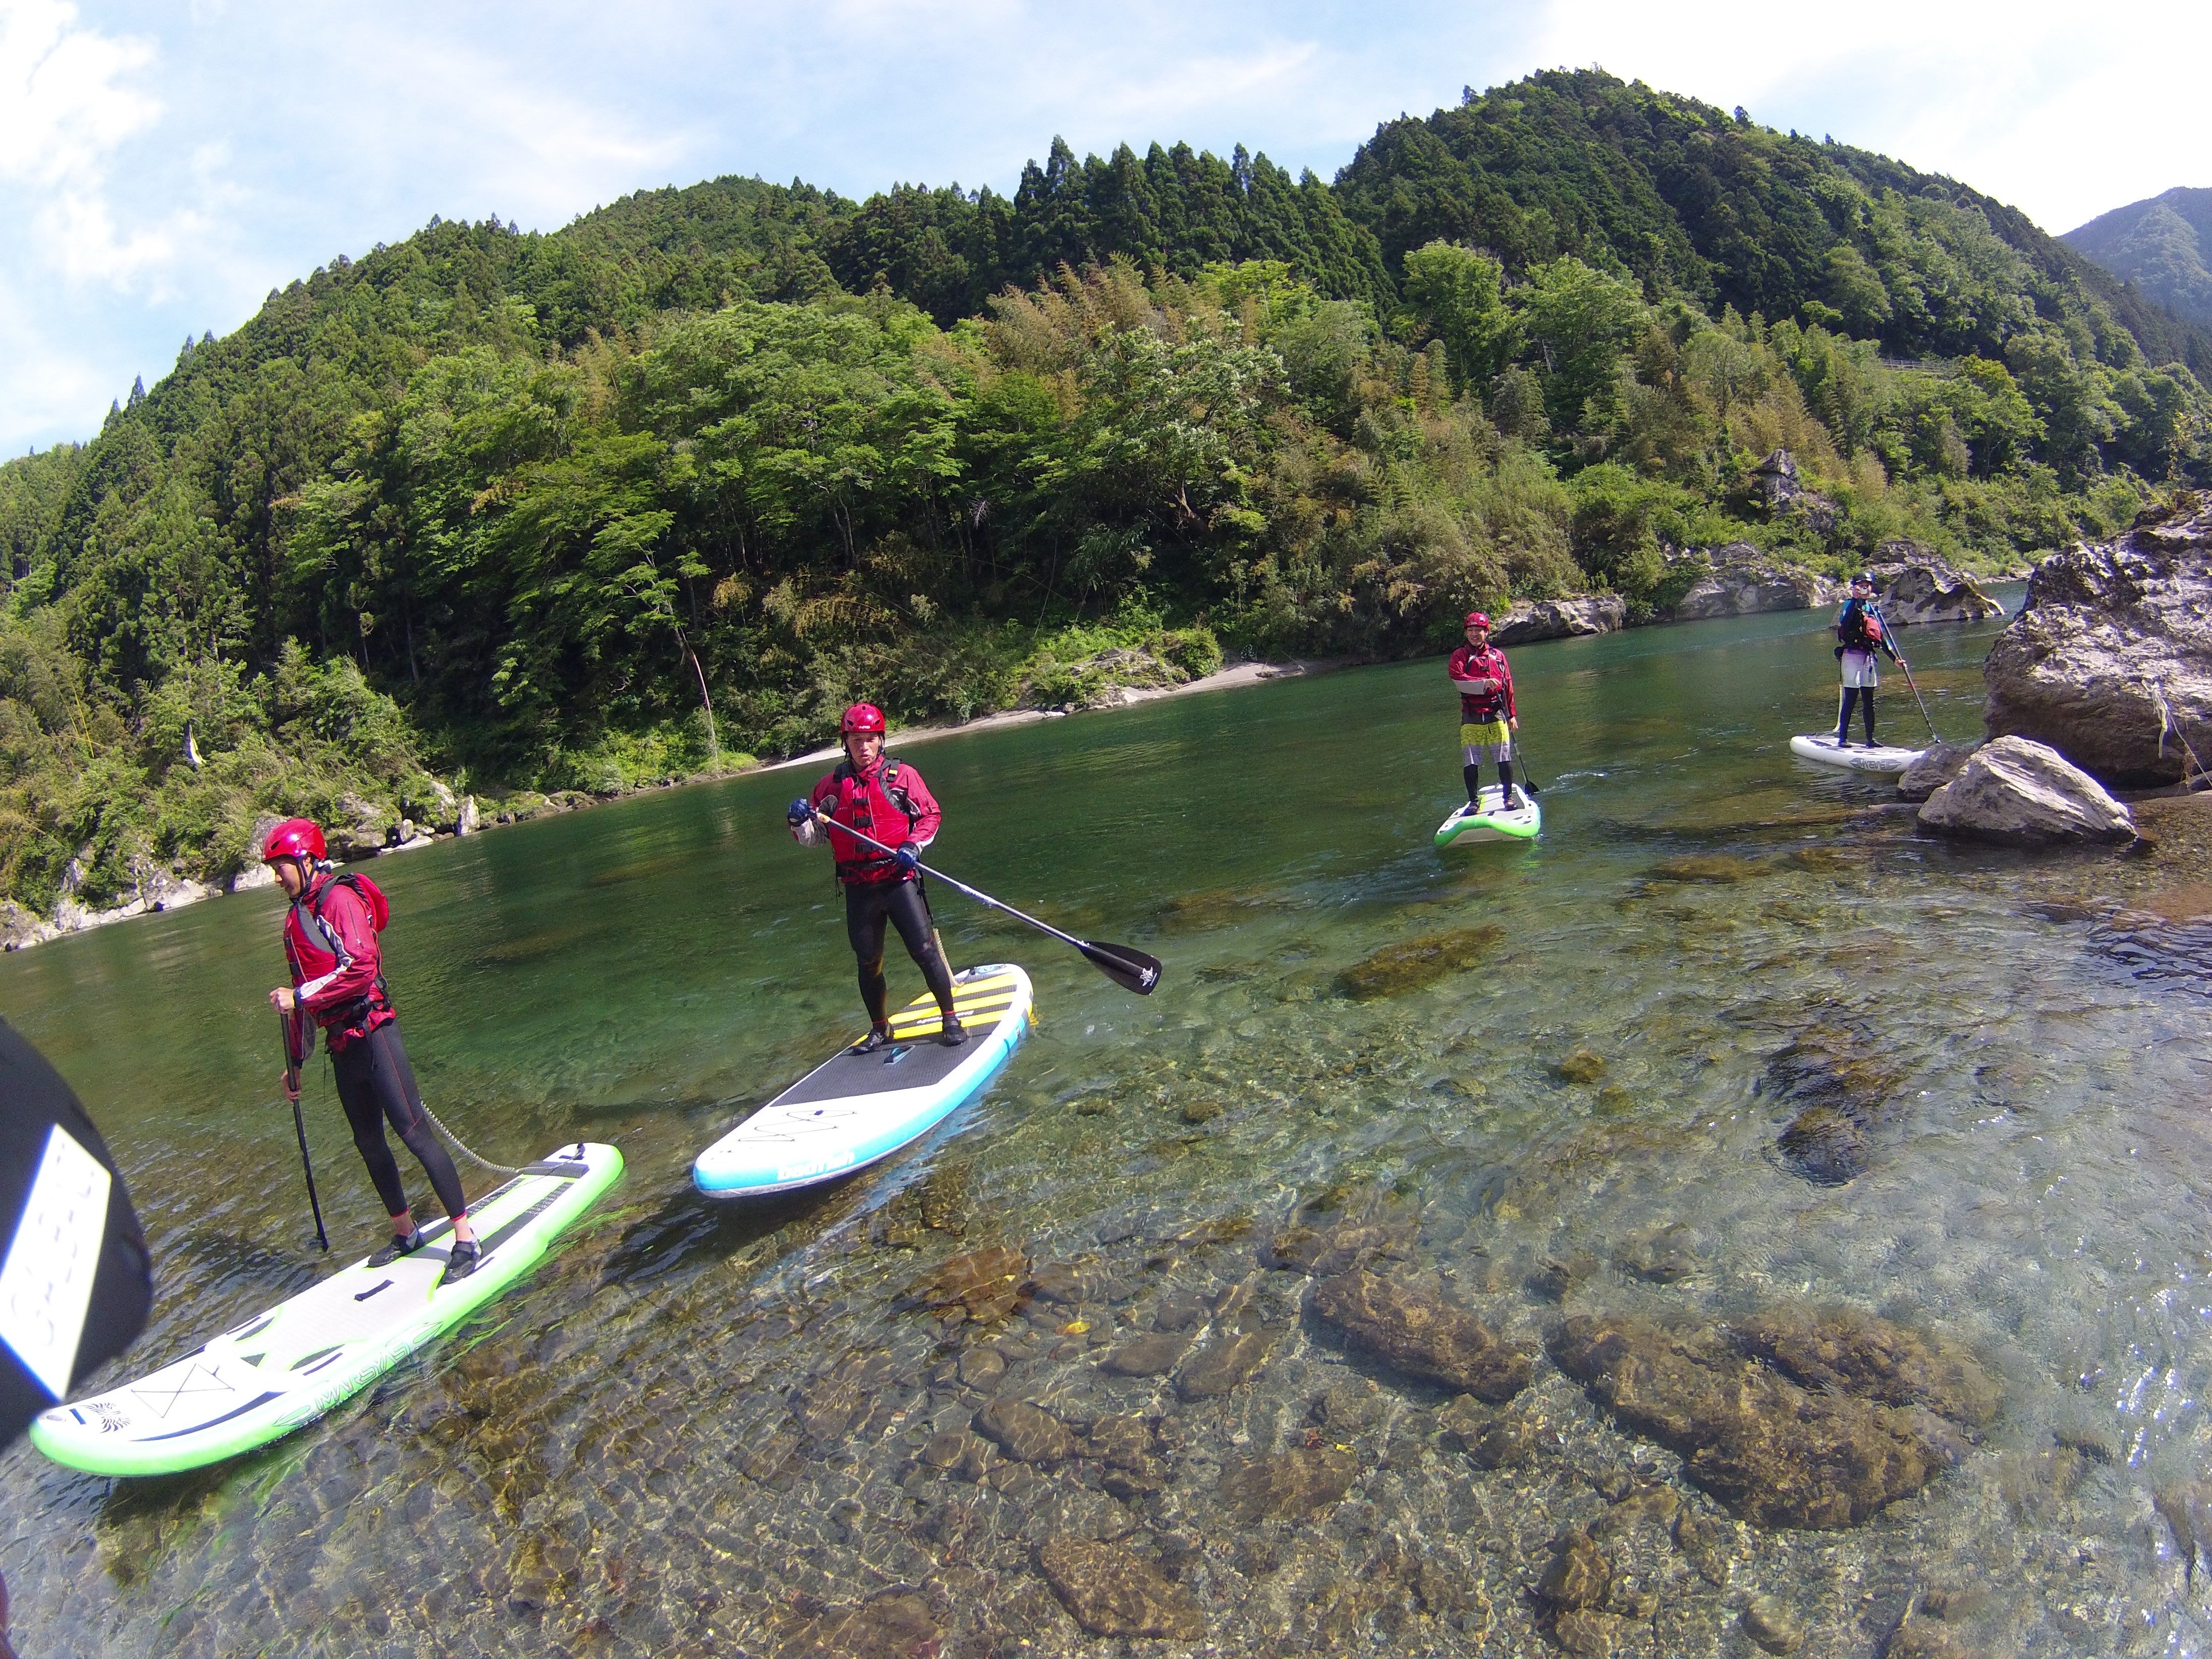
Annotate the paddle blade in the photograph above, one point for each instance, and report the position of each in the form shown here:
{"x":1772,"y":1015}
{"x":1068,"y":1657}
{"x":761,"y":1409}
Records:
{"x":1132,"y":969}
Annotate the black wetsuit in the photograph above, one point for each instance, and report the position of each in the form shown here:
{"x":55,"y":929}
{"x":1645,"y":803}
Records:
{"x":868,"y":906}
{"x":375,"y":1082}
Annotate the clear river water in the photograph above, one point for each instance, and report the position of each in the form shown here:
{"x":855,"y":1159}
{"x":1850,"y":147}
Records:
{"x":1524,"y":1083}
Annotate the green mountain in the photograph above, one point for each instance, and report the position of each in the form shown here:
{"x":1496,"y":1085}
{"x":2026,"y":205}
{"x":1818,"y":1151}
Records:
{"x":2162,"y":246}
{"x":500,"y":512}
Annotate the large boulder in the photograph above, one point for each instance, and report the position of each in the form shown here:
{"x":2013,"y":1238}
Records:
{"x":1917,"y":586}
{"x":1938,"y":764}
{"x":2110,"y":659}
{"x":1743,"y":581}
{"x":2022,"y":794}
{"x":1558,"y":619}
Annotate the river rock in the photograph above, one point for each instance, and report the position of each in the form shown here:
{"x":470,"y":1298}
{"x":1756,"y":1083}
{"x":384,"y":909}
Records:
{"x":1849,"y":1351}
{"x":1026,"y":1433}
{"x":1327,"y":1251}
{"x":1153,"y":1353}
{"x":984,"y":1284}
{"x":1527,"y":620}
{"x":1421,"y":1336}
{"x":1222,"y":1364}
{"x":897,"y":1621}
{"x":1780,"y":1454}
{"x":1842,"y":1079}
{"x":1284,"y":1486}
{"x":1938,"y":764}
{"x":1111,"y":1590}
{"x":2107,"y":632}
{"x":1771,"y":1624}
{"x":1407,"y":966}
{"x":2019,"y":793}
{"x":1913,"y":585}
{"x":1742,"y":582}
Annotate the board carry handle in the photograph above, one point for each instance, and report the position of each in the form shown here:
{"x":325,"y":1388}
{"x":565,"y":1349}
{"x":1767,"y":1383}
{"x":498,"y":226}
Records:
{"x":1132,"y":969}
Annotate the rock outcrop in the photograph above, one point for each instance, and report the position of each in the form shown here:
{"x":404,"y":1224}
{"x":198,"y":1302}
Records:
{"x":1743,"y":581}
{"x":1915,"y":586}
{"x":1526,"y":620}
{"x":2110,"y":659}
{"x":2021,"y":794}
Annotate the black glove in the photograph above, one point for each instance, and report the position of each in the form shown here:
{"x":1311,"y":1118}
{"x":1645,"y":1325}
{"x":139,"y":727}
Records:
{"x":801,"y":812}
{"x":907,"y":858}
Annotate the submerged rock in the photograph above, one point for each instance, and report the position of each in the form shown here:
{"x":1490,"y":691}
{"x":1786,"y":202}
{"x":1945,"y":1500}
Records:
{"x":1421,"y":1336}
{"x":1326,"y":1251}
{"x":1026,"y":1433}
{"x":1771,"y":1624}
{"x":1222,"y":1364}
{"x":1664,"y":1255}
{"x":1857,"y":1353}
{"x":1527,"y":620}
{"x":1843,"y":1081}
{"x":1111,"y":1590}
{"x":1284,"y":1486}
{"x":1411,"y":964}
{"x":2018,"y":792}
{"x":1583,"y":1066}
{"x":985,"y":1285}
{"x":1578,"y":1574}
{"x":1152,"y":1354}
{"x":1938,"y":764}
{"x":897,"y":1621}
{"x":1779,"y":1454}
{"x":2110,"y":659}
{"x":1718,"y":869}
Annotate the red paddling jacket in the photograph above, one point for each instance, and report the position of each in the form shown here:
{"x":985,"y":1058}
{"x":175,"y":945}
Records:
{"x":338,"y":967}
{"x":888,"y":802}
{"x":1482,"y":708}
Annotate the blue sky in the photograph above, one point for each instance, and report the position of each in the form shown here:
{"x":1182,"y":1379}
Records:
{"x":162,"y":165}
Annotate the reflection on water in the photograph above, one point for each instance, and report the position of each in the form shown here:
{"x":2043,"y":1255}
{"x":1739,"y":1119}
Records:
{"x":1820,"y":1135}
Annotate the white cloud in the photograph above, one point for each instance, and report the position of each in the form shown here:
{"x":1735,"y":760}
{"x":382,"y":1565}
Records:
{"x":65,"y":105}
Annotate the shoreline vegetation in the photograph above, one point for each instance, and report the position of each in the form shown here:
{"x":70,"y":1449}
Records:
{"x":524,"y":519}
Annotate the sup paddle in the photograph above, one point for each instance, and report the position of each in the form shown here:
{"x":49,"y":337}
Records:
{"x":1132,"y":969}
{"x":293,"y":1060}
{"x":1906,"y":669}
{"x":1522,"y":756}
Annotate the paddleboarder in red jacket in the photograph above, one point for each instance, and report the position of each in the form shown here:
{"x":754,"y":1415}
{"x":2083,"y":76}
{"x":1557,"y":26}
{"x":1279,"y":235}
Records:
{"x":337,"y":981}
{"x":1487,"y":716}
{"x":886,"y":800}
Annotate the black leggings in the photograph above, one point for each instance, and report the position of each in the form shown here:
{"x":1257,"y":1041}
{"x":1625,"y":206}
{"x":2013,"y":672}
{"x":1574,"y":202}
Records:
{"x":868,"y":905}
{"x":1864,"y":695}
{"x":375,"y":1082}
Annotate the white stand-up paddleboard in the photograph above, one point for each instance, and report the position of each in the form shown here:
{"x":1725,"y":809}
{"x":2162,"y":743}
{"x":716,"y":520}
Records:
{"x":1858,"y":757}
{"x":853,"y":1109}
{"x":1493,"y":821}
{"x":288,"y":1366}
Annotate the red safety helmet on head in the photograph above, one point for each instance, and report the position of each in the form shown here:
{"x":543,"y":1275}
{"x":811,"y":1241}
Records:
{"x":295,"y":838}
{"x":1476,"y":619}
{"x":862,"y":717}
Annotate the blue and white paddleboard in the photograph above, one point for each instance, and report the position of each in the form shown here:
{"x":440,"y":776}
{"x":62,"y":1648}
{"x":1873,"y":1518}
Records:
{"x":853,"y":1109}
{"x":286,"y":1367}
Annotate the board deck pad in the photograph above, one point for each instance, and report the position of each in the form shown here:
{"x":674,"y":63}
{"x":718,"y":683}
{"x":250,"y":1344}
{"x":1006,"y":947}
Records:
{"x":1492,"y":822}
{"x":854,"y":1108}
{"x":288,"y":1366}
{"x":1823,"y":748}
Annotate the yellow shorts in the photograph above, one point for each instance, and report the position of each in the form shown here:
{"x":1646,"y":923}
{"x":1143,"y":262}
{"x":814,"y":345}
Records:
{"x":1492,"y":741}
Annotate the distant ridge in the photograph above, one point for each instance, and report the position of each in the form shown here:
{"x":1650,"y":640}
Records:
{"x":2162,"y":245}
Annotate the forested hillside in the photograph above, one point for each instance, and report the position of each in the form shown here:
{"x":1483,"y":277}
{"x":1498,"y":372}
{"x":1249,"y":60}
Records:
{"x":580,"y":509}
{"x":2162,"y":246}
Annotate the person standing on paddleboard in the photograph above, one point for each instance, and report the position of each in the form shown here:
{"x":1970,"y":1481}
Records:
{"x":1487,"y":716}
{"x":337,"y":981}
{"x":1859,"y":636}
{"x":886,"y":800}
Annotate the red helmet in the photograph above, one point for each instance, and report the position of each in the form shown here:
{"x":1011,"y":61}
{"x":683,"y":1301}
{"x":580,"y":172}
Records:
{"x":295,"y":838}
{"x":862,"y":717}
{"x":1476,"y":619}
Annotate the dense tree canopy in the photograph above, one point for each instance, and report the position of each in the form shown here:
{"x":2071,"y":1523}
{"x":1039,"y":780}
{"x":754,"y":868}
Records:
{"x":571,"y":510}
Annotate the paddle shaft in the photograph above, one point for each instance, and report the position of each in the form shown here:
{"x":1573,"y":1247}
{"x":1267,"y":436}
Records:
{"x":1906,"y":669}
{"x":292,"y":1062}
{"x":977,"y":894}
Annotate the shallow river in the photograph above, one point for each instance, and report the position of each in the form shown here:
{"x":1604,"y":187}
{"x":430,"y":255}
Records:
{"x":1558,"y":1092}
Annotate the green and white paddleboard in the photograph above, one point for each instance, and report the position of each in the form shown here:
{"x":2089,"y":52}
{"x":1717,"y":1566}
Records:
{"x":1492,"y":821}
{"x":288,"y":1366}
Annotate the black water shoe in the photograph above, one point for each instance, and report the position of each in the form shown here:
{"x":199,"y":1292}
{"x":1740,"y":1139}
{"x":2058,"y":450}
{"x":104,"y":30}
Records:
{"x":467,"y":1256}
{"x":399,"y":1247}
{"x":876,"y":1037}
{"x":954,"y":1033}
